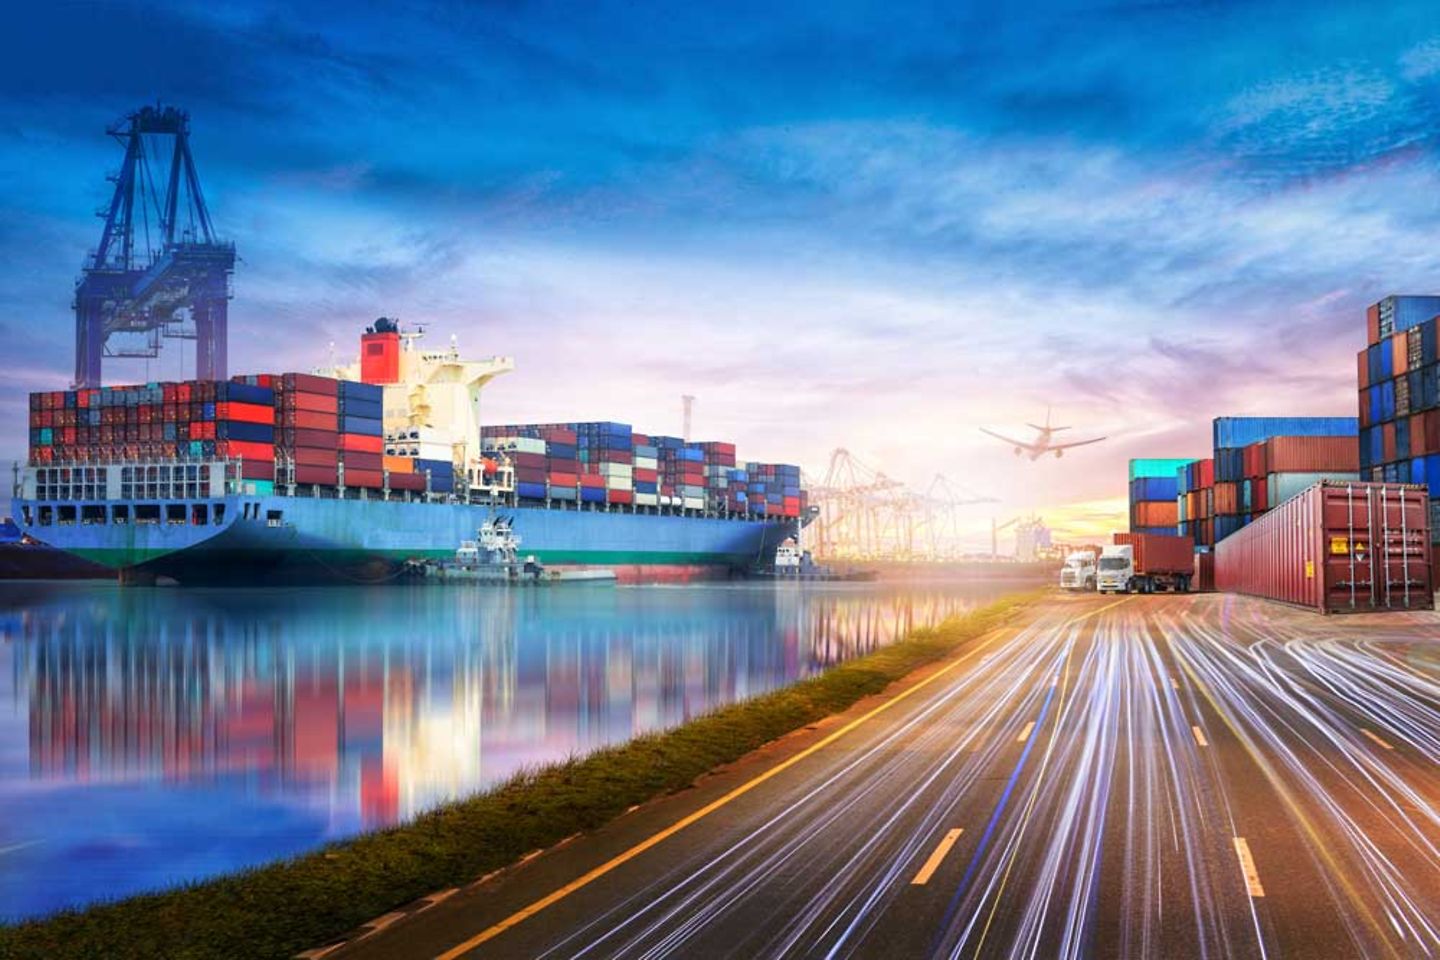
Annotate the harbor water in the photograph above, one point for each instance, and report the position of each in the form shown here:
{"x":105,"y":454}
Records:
{"x":154,"y":737}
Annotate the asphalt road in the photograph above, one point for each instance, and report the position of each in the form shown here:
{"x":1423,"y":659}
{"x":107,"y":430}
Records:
{"x":1153,"y":777}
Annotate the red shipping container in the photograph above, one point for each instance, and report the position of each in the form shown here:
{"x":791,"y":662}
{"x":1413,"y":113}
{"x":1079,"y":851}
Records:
{"x":1159,"y":554}
{"x":360,"y":443}
{"x":1337,"y":547}
{"x":1387,"y":433}
{"x":1372,"y":323}
{"x":1364,"y":412}
{"x":563,"y":466}
{"x":257,"y":470}
{"x":244,"y":412}
{"x":530,"y":460}
{"x":245,"y":448}
{"x":316,"y":402}
{"x":315,"y":457}
{"x":372,"y":479}
{"x":617,"y":456}
{"x":1204,"y":576}
{"x":309,"y":420}
{"x":1312,"y":454}
{"x":1432,"y":431}
{"x":567,"y":480}
{"x":1259,"y":495}
{"x":530,"y":474}
{"x":619,"y":496}
{"x":182,"y":393}
{"x":296,"y":437}
{"x":359,"y":460}
{"x":592,"y":480}
{"x":646,"y":475}
{"x":558,"y":435}
{"x":1417,"y":437}
{"x":1253,"y":458}
{"x":1400,"y":354}
{"x":321,"y":475}
{"x":206,"y":430}
{"x":294,"y":382}
{"x":407,"y":481}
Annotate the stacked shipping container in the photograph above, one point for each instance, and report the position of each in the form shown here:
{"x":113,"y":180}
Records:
{"x":1399,"y":396}
{"x":1195,"y":497}
{"x":606,"y":462}
{"x":1234,"y":498}
{"x":1154,"y":507}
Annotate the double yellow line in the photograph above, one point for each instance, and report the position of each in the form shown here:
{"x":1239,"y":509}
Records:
{"x":584,"y":880}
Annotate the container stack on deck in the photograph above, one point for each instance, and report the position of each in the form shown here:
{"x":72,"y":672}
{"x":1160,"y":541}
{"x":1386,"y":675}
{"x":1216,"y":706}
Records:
{"x":605,"y":462}
{"x":1399,"y":393}
{"x":1154,"y":506}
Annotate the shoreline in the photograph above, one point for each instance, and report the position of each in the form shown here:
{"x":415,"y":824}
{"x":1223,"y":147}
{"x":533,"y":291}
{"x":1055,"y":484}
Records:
{"x":299,"y":904}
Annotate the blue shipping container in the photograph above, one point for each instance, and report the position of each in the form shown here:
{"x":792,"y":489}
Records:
{"x":1401,"y":312}
{"x":1243,"y":431}
{"x":248,"y":432}
{"x":1154,"y":488}
{"x":527,"y":491}
{"x":362,"y":426}
{"x":354,"y":390}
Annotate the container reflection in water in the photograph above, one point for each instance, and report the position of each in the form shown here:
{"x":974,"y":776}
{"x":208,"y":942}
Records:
{"x":151,"y":737}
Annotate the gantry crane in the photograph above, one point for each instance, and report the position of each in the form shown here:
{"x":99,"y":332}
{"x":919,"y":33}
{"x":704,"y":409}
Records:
{"x":862,"y":514}
{"x":159,"y":271}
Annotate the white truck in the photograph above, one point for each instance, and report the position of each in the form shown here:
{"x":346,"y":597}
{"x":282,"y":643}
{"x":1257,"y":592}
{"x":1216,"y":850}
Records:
{"x":1079,"y":571}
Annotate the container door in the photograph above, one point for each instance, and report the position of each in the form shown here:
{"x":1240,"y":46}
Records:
{"x":1348,"y":578}
{"x":1400,"y":533}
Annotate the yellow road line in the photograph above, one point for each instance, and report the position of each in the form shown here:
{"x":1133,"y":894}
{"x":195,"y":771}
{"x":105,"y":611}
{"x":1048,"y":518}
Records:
{"x":1247,"y":867}
{"x":933,"y":863}
{"x":1372,"y":736}
{"x":1025,"y":734}
{"x":1199,"y":736}
{"x":589,"y":877}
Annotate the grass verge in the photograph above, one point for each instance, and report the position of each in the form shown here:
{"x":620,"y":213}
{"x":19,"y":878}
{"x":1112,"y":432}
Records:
{"x":279,"y":910}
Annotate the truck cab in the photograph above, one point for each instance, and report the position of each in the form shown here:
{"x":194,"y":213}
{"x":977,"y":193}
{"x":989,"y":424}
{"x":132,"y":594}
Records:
{"x":1116,"y":569}
{"x":1078,"y":573}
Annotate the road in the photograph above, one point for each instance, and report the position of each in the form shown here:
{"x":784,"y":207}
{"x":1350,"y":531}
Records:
{"x":1151,"y":777}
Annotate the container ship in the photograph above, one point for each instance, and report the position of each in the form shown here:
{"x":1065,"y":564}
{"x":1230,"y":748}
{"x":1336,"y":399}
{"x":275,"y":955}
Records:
{"x":345,"y":475}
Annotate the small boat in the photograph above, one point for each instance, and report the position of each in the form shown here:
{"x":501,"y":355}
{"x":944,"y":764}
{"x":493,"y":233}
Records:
{"x":494,"y":557}
{"x":794,"y":564}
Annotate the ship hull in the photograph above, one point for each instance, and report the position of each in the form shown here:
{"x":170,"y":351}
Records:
{"x":315,"y":540}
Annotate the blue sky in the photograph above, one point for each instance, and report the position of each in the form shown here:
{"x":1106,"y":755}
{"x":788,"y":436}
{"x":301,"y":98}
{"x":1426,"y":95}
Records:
{"x":861,"y":225}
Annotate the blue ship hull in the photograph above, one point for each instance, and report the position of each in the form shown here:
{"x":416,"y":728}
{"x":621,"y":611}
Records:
{"x":257,"y":539}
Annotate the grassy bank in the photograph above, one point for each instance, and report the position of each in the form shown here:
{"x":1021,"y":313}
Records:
{"x":279,"y":910}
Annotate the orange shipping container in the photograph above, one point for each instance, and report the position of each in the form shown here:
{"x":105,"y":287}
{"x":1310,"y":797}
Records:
{"x":399,"y":464}
{"x":1387,"y":433}
{"x":1152,"y":513}
{"x":1227,"y":500}
{"x":1400,"y":350}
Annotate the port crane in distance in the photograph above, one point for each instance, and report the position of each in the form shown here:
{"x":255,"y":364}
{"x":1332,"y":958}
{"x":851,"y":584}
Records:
{"x":1043,"y":442}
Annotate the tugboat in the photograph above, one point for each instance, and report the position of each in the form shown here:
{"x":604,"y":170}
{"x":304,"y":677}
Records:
{"x":794,"y":563}
{"x":494,"y":557}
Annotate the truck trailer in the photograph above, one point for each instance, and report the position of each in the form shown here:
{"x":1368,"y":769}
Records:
{"x":1146,"y":563}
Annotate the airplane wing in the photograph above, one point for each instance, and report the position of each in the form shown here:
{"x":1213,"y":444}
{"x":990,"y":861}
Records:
{"x":1013,"y":443}
{"x":1077,"y":443}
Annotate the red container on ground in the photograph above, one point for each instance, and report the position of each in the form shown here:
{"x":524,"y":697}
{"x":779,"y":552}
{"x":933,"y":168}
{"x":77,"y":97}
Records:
{"x":1203,"y":580}
{"x":1338,"y":547}
{"x":1158,"y":553}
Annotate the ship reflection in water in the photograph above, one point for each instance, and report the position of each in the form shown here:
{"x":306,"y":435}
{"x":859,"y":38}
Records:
{"x":151,"y":737}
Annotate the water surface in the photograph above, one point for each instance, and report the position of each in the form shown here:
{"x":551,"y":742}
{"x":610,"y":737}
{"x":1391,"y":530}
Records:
{"x":152,"y":737}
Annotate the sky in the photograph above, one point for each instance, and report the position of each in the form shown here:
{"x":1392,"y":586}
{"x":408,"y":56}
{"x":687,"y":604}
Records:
{"x":866,"y":226}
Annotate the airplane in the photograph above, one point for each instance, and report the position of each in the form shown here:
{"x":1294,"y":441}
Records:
{"x":1041,"y":444}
